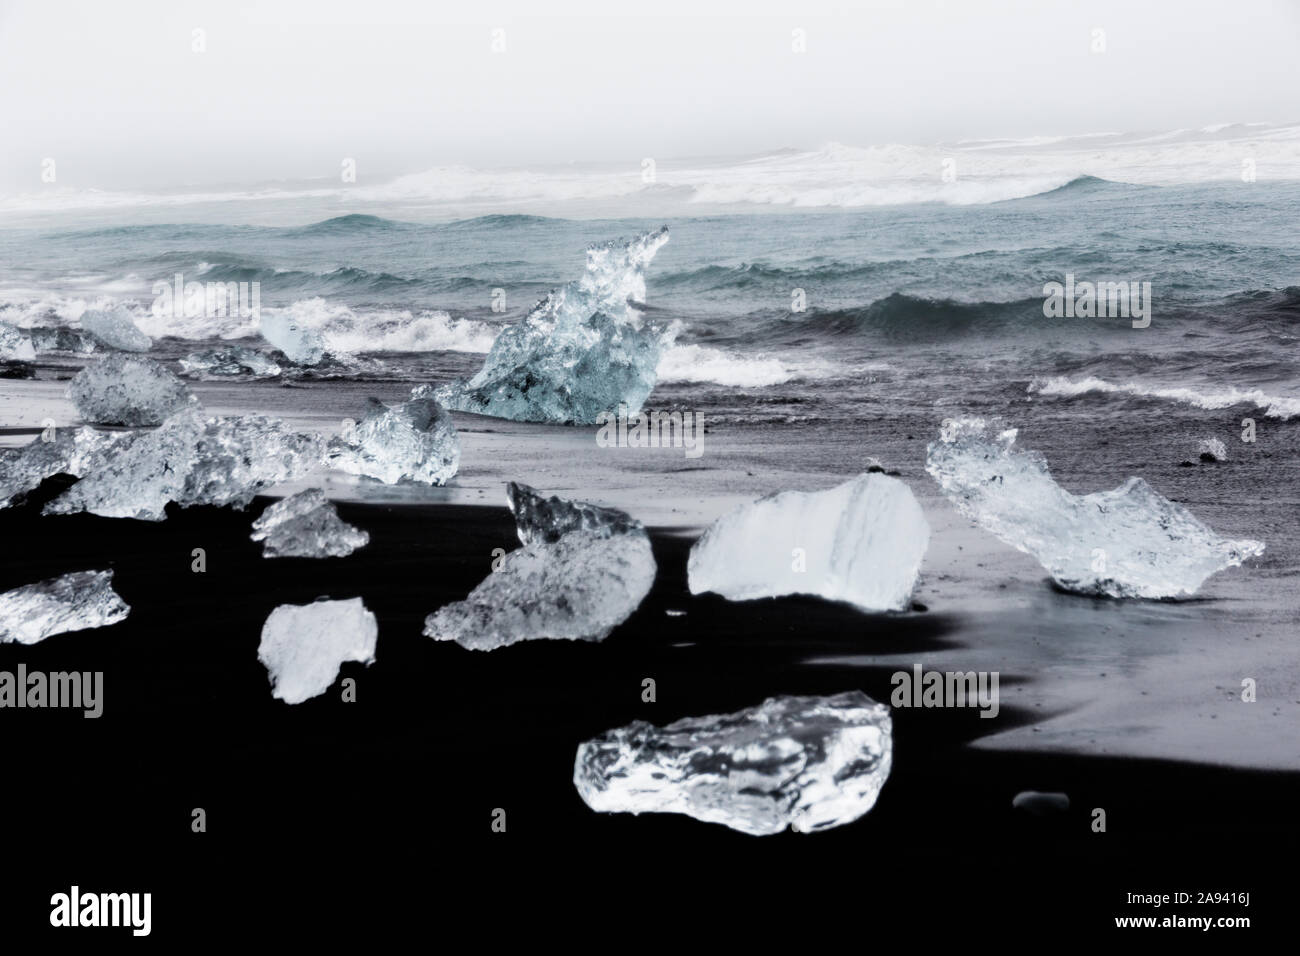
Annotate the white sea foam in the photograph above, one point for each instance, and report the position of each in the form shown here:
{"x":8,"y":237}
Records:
{"x":697,"y":364}
{"x":1207,"y":397}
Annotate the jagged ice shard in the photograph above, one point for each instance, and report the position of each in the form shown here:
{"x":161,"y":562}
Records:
{"x":72,"y":602}
{"x":582,"y":350}
{"x":303,"y":645}
{"x":413,"y":441}
{"x":193,"y":461}
{"x":807,"y":763}
{"x":124,"y":389}
{"x":582,"y":571}
{"x":1127,"y":542}
{"x":299,"y":343}
{"x":306,"y":525}
{"x":229,"y":362}
{"x":861,"y":542}
{"x":71,"y":451}
{"x":15,"y":345}
{"x":115,"y":327}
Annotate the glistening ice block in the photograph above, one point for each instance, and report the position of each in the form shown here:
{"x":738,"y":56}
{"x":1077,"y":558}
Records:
{"x":413,"y":441}
{"x":128,"y":390}
{"x":1128,"y":542}
{"x":582,"y":350}
{"x":809,"y":763}
{"x":860,"y":542}
{"x":115,"y":328}
{"x":306,"y":525}
{"x":72,"y":602}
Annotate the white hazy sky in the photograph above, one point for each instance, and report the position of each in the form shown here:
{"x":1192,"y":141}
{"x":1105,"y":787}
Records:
{"x":286,"y":88}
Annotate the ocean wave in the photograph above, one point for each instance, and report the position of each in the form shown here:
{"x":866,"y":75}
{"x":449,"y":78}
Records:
{"x":1206,"y":397}
{"x":695,"y":364}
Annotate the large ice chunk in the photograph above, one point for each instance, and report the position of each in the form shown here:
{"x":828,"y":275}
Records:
{"x":582,"y":350}
{"x":229,"y":362}
{"x":61,"y":339}
{"x":115,"y":327}
{"x":306,"y":525}
{"x":128,"y":390}
{"x":1128,"y":542}
{"x":193,"y":461}
{"x":62,"y":451}
{"x":860,"y":542}
{"x":577,"y":584}
{"x":71,"y":602}
{"x":413,"y":441}
{"x":15,"y":345}
{"x":300,"y":343}
{"x":809,"y":763}
{"x":303,"y":645}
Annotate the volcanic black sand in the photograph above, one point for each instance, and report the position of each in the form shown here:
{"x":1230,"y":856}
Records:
{"x":377,"y":814}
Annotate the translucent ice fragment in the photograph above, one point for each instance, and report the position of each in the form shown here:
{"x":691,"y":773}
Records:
{"x":193,"y":461}
{"x":582,"y":350}
{"x":1128,"y":542}
{"x":127,"y":390}
{"x":62,"y":451}
{"x":578,"y":585}
{"x":15,"y":345}
{"x":860,"y":542}
{"x":303,"y":645}
{"x":306,"y":525}
{"x":72,"y":602}
{"x":229,"y":362}
{"x":62,"y":339}
{"x":300,"y":343}
{"x":807,"y":763}
{"x":539,"y":519}
{"x":1211,"y":449}
{"x":115,"y":328}
{"x":413,"y":441}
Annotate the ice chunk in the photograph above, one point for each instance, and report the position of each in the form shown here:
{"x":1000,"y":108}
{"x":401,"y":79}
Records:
{"x":303,"y":645}
{"x":306,"y":525}
{"x":228,"y":362}
{"x":539,"y":519}
{"x":300,"y":343}
{"x":128,"y":390}
{"x":1128,"y":542}
{"x":62,"y":340}
{"x":66,"y":451}
{"x":1211,"y":449}
{"x":860,"y":542}
{"x":413,"y":441}
{"x":71,"y":602}
{"x":192,"y":461}
{"x":15,"y":345}
{"x":578,"y":585}
{"x":115,"y":328}
{"x":582,"y":350}
{"x":809,"y":763}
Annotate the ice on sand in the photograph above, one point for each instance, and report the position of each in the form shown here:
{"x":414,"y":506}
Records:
{"x":574,"y":579}
{"x":115,"y":328}
{"x":69,"y":451}
{"x":233,"y":361}
{"x":15,"y":345}
{"x":127,"y":390}
{"x":582,"y":350}
{"x":303,"y":645}
{"x":861,"y":542}
{"x":193,"y":461}
{"x":807,"y":763}
{"x":299,"y":343}
{"x":1127,"y":542}
{"x":71,"y":602}
{"x":306,"y":525}
{"x":413,"y":441}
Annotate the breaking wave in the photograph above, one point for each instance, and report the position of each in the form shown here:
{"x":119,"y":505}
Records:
{"x":1208,"y":398}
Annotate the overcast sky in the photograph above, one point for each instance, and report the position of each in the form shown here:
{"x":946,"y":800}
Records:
{"x":284,"y":89}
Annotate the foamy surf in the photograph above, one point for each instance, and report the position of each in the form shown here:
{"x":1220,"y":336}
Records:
{"x":1273,"y":406}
